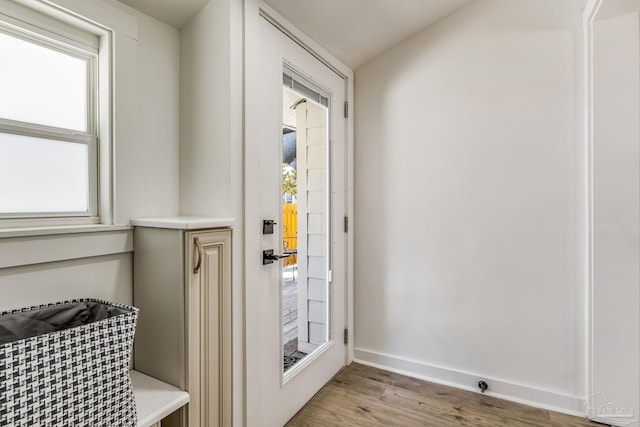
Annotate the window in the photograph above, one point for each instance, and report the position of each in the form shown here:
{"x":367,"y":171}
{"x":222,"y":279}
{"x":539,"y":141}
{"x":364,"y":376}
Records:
{"x":49,"y":130}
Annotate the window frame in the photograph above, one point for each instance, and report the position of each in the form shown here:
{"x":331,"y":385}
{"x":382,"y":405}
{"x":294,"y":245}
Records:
{"x":59,"y":31}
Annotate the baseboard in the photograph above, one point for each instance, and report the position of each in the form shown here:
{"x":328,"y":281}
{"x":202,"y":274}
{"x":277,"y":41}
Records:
{"x":518,"y":393}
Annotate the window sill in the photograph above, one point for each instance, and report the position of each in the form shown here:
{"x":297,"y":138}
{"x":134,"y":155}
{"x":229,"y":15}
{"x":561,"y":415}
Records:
{"x":63,"y":229}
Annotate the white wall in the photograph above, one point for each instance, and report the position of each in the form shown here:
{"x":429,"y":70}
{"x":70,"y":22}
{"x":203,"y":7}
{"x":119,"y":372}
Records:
{"x":148,"y":162}
{"x":146,"y":168}
{"x":469,"y":199}
{"x":105,"y":277}
{"x":211,"y":142}
{"x":205,"y":170}
{"x":616,"y":207}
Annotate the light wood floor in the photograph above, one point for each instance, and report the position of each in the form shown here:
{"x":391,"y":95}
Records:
{"x":363,"y":396}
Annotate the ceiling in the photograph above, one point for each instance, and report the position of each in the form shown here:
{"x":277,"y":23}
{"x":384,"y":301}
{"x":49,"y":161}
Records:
{"x":356,"y":31}
{"x":174,"y":12}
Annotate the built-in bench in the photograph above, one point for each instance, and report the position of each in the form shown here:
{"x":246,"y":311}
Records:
{"x":155,"y":399}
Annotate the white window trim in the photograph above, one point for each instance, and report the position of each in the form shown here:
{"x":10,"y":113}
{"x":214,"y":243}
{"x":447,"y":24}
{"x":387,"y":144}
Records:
{"x":87,"y":40}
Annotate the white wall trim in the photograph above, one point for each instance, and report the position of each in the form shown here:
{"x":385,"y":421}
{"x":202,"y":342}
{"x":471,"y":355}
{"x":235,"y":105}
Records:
{"x":38,"y":249}
{"x":501,"y":389}
{"x":589,"y":14}
{"x":97,"y":12}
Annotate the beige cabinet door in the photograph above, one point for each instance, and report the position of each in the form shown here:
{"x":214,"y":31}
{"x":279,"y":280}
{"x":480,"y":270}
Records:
{"x":208,"y":324}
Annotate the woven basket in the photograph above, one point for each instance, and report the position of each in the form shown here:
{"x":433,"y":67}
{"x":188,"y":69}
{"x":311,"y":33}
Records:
{"x":71,"y":377}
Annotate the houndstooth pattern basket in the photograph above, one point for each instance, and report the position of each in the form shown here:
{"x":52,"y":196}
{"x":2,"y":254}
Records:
{"x":72,"y":377}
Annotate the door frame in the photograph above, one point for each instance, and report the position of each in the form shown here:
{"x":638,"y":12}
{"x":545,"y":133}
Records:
{"x":598,"y":321}
{"x":254,"y":10}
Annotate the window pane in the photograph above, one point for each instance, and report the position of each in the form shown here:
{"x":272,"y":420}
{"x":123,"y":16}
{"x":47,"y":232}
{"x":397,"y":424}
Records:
{"x":41,"y":85}
{"x":39,"y":175}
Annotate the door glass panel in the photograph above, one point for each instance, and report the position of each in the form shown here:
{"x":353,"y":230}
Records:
{"x":305,"y":227}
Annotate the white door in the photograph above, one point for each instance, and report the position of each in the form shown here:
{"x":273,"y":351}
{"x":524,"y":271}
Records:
{"x":300,"y":336}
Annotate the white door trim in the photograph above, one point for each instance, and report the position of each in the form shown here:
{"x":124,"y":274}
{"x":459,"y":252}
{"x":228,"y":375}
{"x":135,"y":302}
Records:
{"x":623,"y":395}
{"x":589,"y":14}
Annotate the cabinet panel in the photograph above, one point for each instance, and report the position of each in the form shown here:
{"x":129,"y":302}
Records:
{"x":158,"y":292}
{"x":183,"y":289}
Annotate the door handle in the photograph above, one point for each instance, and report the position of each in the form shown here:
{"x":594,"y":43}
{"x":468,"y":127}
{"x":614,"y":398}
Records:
{"x":268,"y":257}
{"x":199,"y":248}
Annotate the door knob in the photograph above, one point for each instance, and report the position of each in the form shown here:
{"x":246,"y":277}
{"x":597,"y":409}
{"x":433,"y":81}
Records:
{"x":268,"y":257}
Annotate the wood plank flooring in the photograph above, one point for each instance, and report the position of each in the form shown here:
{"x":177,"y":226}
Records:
{"x":364,"y":396}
